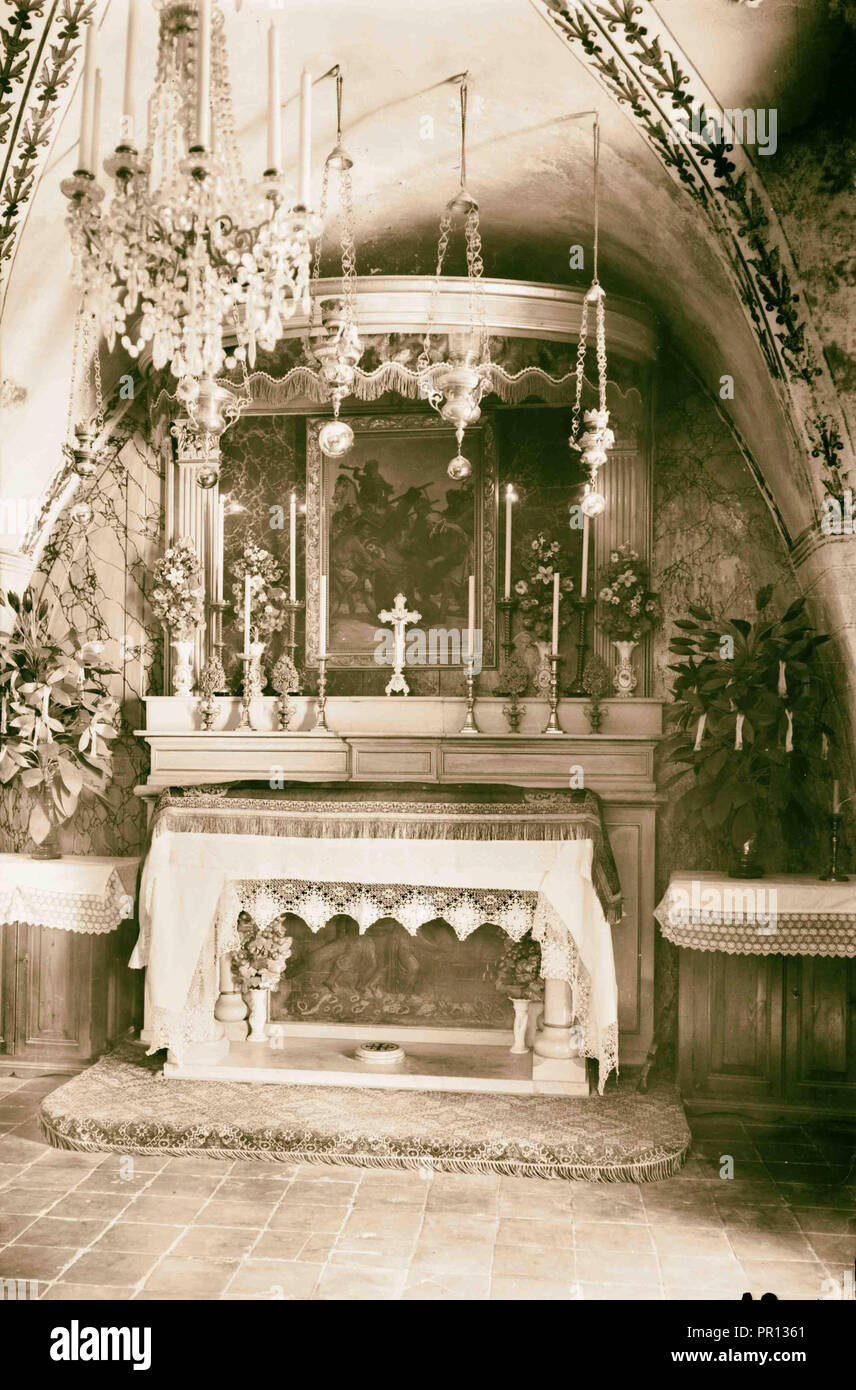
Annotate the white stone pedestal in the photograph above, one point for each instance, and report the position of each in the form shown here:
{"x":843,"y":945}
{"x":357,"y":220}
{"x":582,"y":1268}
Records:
{"x":557,"y":1067}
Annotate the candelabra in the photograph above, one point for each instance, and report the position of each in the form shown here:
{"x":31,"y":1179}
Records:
{"x":470,"y":726}
{"x":553,"y":726}
{"x":582,"y":606}
{"x":834,"y":876}
{"x":285,"y":677}
{"x":321,"y":708}
{"x":513,"y":676}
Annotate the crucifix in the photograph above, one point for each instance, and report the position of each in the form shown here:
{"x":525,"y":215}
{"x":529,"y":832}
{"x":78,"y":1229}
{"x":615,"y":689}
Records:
{"x":399,"y":616}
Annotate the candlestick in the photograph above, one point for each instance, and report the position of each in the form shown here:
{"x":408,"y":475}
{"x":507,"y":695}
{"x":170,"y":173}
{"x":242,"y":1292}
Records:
{"x":247,"y":595}
{"x":321,"y":706}
{"x":84,"y":150}
{"x":126,"y":134}
{"x":292,"y":550}
{"x":834,"y":876}
{"x":553,"y":726}
{"x":322,"y":618}
{"x":584,"y":571}
{"x":305,"y":138}
{"x":471,"y":618}
{"x":509,"y":501}
{"x":583,"y":607}
{"x":556,"y":601}
{"x":274,"y":122}
{"x":470,"y":726}
{"x":203,"y":76}
{"x":219,"y":549}
{"x":836,"y":798}
{"x":246,"y":692}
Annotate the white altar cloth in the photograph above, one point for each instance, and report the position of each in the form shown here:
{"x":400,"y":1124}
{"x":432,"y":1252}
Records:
{"x":190,"y":882}
{"x":78,"y":893}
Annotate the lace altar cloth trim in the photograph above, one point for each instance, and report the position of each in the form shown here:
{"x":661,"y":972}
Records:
{"x":465,"y":910}
{"x":70,"y":908}
{"x":531,"y":815}
{"x":787,"y":916}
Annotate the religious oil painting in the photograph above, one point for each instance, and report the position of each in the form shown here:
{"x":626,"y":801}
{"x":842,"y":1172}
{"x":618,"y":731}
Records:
{"x":386,"y":519}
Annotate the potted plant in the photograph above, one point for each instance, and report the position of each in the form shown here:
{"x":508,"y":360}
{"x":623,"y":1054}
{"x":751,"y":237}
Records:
{"x":57,"y":719}
{"x":260,"y":961}
{"x":519,"y":976}
{"x":629,"y":611}
{"x":748,"y":705}
{"x":177,"y":599}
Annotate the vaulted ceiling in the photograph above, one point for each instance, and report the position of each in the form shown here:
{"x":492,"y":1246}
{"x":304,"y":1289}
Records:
{"x":530,"y":165}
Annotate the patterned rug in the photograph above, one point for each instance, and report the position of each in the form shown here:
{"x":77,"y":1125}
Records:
{"x":123,"y":1104}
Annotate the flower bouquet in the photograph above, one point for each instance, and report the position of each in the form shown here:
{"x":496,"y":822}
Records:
{"x":260,"y":961}
{"x":178,"y":601}
{"x":535,"y":591}
{"x":57,"y":719}
{"x":267,"y":599}
{"x":519,"y":970}
{"x":630,"y":609}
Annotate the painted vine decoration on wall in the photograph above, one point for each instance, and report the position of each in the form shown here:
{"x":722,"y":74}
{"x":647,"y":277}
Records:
{"x":33,"y":131}
{"x":756,"y":259}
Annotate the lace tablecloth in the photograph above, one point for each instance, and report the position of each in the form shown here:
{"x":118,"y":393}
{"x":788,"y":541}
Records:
{"x":407,"y":860}
{"x":75,"y":893}
{"x":787,"y":915}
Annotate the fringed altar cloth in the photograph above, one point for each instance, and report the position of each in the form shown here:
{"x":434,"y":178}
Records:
{"x":519,"y":859}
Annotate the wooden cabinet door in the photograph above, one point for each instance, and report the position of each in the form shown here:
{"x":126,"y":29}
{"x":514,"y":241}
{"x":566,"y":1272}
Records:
{"x":730,"y":1025}
{"x":53,"y":994}
{"x":631,"y":834}
{"x":8,"y":939}
{"x":820,"y":1013}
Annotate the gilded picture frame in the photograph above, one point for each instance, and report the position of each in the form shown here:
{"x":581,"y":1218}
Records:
{"x":385,"y":518}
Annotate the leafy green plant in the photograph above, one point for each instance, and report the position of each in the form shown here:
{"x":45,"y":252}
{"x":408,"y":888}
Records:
{"x":58,"y":719}
{"x":749,"y":703}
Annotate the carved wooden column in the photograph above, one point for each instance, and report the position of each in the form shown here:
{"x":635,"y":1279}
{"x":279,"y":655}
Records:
{"x":196,"y":493}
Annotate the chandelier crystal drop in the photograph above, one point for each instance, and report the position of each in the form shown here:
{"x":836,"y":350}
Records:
{"x":335,"y":348}
{"x":454,"y":388}
{"x":184,"y":244}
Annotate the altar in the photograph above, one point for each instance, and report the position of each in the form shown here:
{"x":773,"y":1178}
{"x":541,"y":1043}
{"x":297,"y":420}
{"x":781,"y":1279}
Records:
{"x":524,"y":861}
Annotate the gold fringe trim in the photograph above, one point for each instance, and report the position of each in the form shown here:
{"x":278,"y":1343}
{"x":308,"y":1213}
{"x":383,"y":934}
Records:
{"x":653,"y":1169}
{"x":303,"y":383}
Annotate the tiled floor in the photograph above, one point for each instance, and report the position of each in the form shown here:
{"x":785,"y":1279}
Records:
{"x":96,"y":1226}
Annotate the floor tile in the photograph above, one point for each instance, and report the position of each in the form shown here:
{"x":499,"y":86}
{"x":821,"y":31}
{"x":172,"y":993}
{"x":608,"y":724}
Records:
{"x":832,"y":1249}
{"x":447,"y":1288}
{"x":49,"y":1230}
{"x":137,"y":1236}
{"x":544,"y":1235}
{"x":254,"y":1215}
{"x":453,"y":1257}
{"x":33,"y":1261}
{"x":613,"y":1267}
{"x":274,"y":1279}
{"x":163,"y":1211}
{"x":830,"y":1220}
{"x":603,"y":1236}
{"x":109,"y":1267}
{"x":355,"y":1283}
{"x":608,"y":1293}
{"x":716,"y":1275}
{"x":188,"y":1275}
{"x":769,"y":1245}
{"x":785,"y":1278}
{"x":87,"y":1293}
{"x":215,"y":1242}
{"x":553,"y":1266}
{"x":533,"y":1290}
{"x":693,"y":1241}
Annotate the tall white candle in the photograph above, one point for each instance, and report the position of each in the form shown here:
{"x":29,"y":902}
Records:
{"x":84,"y":152}
{"x":471,"y":617}
{"x":220,"y":551}
{"x":203,"y":77}
{"x":292,"y":550}
{"x":556,"y":599}
{"x":509,"y":500}
{"x":274,"y":124}
{"x":322,"y":617}
{"x":128,"y":108}
{"x":96,"y":124}
{"x":246,"y":615}
{"x":305,"y":138}
{"x":584,"y":572}
{"x":836,"y":798}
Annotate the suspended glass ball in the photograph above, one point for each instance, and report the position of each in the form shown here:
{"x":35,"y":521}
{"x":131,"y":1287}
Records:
{"x":208,"y":476}
{"x":187,"y":389}
{"x":82,"y":513}
{"x":335,"y":438}
{"x":459,"y":468}
{"x":593,"y":502}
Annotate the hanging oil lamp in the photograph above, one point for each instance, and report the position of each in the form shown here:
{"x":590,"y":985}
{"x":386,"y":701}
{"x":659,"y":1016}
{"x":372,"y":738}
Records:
{"x":336,"y":346}
{"x":454,"y":388}
{"x":596,"y":438}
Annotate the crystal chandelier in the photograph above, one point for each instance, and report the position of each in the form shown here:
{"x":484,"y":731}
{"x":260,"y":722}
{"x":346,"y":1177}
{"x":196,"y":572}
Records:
{"x":455,"y":388}
{"x":185,"y":245}
{"x":592,"y":444}
{"x":336,"y":346}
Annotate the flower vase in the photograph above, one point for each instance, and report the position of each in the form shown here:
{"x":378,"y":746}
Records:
{"x":521,"y":1018}
{"x":49,"y":848}
{"x":258,"y":1003}
{"x":182,"y":674}
{"x":624,"y":677}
